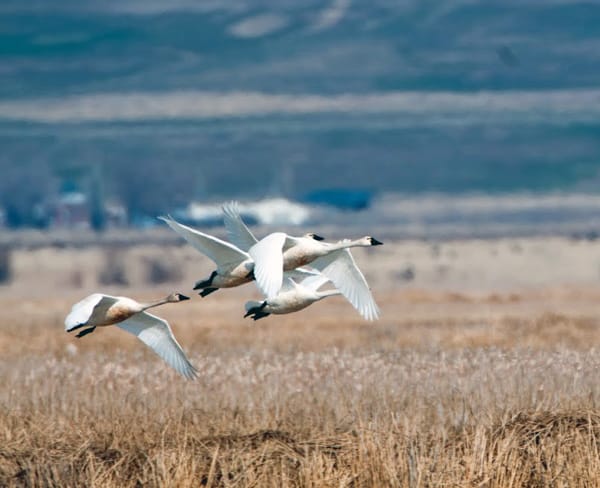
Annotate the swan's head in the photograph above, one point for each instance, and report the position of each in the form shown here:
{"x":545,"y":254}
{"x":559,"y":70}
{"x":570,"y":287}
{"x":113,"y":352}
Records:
{"x":176,"y":297}
{"x":371,"y":241}
{"x":316,"y":237}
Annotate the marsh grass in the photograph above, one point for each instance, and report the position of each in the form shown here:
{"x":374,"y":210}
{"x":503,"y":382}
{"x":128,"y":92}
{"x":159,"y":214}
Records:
{"x":113,"y":270}
{"x":301,"y":402}
{"x":466,"y":418}
{"x":483,"y":375}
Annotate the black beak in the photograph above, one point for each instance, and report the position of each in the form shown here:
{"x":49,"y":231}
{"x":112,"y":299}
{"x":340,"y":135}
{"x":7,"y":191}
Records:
{"x":183,"y":297}
{"x":250,"y":312}
{"x":197,"y":286}
{"x":318,"y":238}
{"x":375,"y":242}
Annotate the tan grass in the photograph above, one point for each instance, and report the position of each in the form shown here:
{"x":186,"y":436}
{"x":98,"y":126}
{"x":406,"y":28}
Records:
{"x":452,"y":387}
{"x":303,"y":400}
{"x":463,"y":418}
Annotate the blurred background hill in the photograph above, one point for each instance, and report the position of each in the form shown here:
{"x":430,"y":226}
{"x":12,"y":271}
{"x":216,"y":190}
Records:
{"x":142,"y":107}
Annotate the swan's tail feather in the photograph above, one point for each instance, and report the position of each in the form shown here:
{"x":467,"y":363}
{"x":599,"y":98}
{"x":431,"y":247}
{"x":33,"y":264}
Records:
{"x":252,"y":304}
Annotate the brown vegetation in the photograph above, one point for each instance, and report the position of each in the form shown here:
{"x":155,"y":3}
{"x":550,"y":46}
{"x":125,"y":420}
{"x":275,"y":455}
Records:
{"x":449,"y":388}
{"x":295,"y":401}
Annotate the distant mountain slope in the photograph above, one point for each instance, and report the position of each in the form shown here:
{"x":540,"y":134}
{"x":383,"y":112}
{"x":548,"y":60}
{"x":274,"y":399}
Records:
{"x":53,"y":48}
{"x":172,"y":101}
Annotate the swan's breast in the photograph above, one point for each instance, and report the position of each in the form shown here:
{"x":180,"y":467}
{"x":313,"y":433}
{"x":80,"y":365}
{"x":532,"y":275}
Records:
{"x":118,"y":313}
{"x":232,"y":276}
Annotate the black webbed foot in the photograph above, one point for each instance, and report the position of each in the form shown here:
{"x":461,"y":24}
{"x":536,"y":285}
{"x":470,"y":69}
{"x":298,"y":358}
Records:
{"x":206,"y":283}
{"x":207,"y":291}
{"x":255,"y":310}
{"x":85,"y":332}
{"x":259,"y":315}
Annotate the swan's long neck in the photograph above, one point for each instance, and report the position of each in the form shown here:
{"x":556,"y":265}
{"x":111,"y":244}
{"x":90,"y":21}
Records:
{"x":146,"y":306}
{"x":328,"y":293}
{"x":345,"y":244}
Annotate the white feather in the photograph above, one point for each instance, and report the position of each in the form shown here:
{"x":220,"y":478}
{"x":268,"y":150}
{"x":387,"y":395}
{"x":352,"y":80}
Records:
{"x":219,"y":251}
{"x":268,"y":263}
{"x":237,"y":231}
{"x":314,"y":281}
{"x":82,"y":310}
{"x":156,"y":334}
{"x":339,"y":267}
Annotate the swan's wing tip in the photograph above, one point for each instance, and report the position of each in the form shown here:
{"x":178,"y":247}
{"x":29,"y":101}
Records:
{"x":166,"y":218}
{"x":230,"y":205}
{"x":156,"y":333}
{"x":371,"y":311}
{"x":372,"y":317}
{"x":190,"y":373}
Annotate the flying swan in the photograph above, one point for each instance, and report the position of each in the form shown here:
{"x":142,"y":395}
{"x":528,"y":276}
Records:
{"x":292,"y":297}
{"x":279,"y":252}
{"x":99,"y":310}
{"x":234,"y":266}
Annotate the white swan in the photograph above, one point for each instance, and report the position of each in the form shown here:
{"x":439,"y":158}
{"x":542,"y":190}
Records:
{"x":291,"y":298}
{"x":99,"y":310}
{"x":234,"y":266}
{"x":239,"y":233}
{"x":279,"y":252}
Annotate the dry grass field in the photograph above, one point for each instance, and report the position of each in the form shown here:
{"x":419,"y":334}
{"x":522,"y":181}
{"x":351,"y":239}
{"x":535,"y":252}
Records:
{"x":481,"y":372}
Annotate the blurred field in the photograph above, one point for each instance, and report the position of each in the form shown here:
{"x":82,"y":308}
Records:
{"x":482,"y":371}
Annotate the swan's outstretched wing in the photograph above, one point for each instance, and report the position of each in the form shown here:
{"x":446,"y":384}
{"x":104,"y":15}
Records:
{"x":300,"y":274}
{"x":314,"y":281}
{"x":237,"y":231}
{"x":156,"y":334}
{"x":288,"y":284}
{"x":339,"y":267}
{"x":268,"y":263}
{"x":82,"y":311}
{"x":219,"y":251}
{"x":296,"y":276}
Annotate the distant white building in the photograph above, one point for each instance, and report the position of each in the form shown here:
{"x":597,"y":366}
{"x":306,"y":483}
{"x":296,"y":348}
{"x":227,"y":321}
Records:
{"x":116,"y":214}
{"x":271,"y":211}
{"x":71,"y":210}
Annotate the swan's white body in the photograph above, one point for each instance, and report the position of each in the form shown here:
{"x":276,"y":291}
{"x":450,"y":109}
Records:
{"x":279,"y":252}
{"x":99,"y":310}
{"x":292,"y":297}
{"x":234,"y":266}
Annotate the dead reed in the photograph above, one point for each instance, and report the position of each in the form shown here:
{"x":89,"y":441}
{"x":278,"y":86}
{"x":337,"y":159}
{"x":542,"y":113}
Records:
{"x":464,"y":417}
{"x":450,"y":388}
